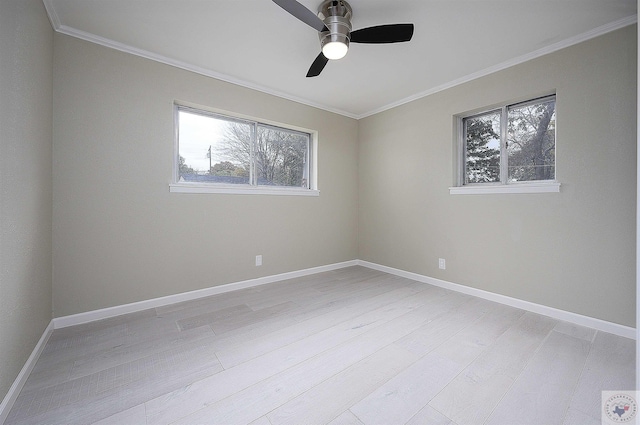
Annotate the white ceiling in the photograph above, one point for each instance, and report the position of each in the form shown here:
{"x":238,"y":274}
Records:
{"x":257,"y":44}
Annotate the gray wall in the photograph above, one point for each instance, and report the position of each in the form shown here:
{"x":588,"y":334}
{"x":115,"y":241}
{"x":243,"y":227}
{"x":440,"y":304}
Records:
{"x":26,"y":49}
{"x":573,"y":250}
{"x":120,"y":236}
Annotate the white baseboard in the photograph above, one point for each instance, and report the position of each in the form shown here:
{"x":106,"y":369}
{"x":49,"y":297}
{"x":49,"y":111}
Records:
{"x":14,"y":391}
{"x":105,"y":313}
{"x":578,"y":319}
{"x":90,"y":316}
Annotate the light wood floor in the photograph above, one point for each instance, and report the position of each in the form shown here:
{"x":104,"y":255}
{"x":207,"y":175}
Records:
{"x":352,"y":346}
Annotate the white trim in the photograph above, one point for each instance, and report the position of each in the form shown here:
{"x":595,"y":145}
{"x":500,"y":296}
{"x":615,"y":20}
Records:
{"x":53,"y":15}
{"x":105,"y":313}
{"x":76,"y":319}
{"x":182,"y":186}
{"x":92,"y":38}
{"x":596,"y":32}
{"x":73,"y":32}
{"x":578,"y":319}
{"x":14,"y":391}
{"x":240,"y":190}
{"x":550,"y":187}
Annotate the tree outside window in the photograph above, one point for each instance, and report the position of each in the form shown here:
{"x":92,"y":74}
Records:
{"x":515,"y":143}
{"x":217,"y":149}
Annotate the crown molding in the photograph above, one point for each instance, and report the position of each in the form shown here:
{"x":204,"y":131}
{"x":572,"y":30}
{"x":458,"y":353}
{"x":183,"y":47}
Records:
{"x":596,"y":32}
{"x":92,"y":38}
{"x":73,"y":32}
{"x":53,"y":15}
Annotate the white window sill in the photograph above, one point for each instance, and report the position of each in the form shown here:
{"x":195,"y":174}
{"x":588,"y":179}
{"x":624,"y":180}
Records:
{"x":241,"y":190}
{"x":546,"y":187}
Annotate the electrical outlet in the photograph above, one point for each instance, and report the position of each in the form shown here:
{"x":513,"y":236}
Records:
{"x":442,"y":264}
{"x":258,"y":260}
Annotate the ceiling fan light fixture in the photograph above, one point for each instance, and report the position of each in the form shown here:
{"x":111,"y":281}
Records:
{"x":335,"y":44}
{"x":335,"y":50}
{"x":336,"y":16}
{"x":333,"y":23}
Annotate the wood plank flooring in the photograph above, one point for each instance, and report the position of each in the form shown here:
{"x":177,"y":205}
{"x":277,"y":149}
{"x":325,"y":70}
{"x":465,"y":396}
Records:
{"x":352,"y":346}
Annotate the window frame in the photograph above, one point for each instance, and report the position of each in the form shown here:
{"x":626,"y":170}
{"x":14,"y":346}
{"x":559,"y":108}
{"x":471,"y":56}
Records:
{"x":178,"y":186}
{"x":461,"y":186}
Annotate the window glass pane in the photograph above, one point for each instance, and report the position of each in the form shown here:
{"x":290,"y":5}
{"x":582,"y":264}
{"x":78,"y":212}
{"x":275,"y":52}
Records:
{"x":281,"y":157}
{"x":482,"y":148}
{"x":531,"y":141}
{"x":213,"y":149}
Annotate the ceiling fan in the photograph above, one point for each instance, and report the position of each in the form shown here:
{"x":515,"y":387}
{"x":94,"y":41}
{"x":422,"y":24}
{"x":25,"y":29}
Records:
{"x":333,"y":23}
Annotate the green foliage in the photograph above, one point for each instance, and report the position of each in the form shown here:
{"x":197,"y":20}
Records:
{"x":183,"y":168}
{"x":531,"y":142}
{"x":279,"y":155}
{"x":482,"y":161}
{"x":226,"y":168}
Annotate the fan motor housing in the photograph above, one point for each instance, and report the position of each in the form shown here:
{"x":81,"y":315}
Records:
{"x":336,"y":15}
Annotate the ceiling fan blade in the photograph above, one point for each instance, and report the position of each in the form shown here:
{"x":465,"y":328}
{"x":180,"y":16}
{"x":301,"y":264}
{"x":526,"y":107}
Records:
{"x":302,"y":13}
{"x":392,"y":33}
{"x":318,"y":65}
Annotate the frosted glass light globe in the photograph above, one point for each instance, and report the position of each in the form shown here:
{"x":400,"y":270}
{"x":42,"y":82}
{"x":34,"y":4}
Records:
{"x":335,"y":50}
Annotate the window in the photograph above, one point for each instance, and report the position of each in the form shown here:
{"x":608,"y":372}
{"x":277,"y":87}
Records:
{"x":219,"y":153}
{"x":513,"y":145}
